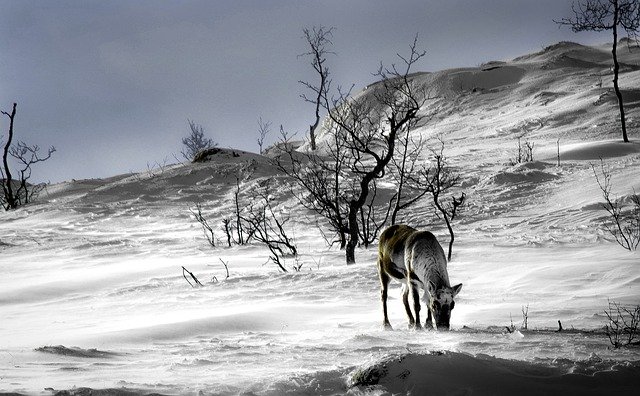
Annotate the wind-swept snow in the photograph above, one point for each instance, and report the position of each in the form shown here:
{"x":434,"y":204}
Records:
{"x":92,"y":293}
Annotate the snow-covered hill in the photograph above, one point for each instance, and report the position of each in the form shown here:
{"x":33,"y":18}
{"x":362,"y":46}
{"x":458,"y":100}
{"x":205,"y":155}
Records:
{"x":93,"y":295}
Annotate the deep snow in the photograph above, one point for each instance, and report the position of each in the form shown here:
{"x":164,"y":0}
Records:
{"x":92,"y":293}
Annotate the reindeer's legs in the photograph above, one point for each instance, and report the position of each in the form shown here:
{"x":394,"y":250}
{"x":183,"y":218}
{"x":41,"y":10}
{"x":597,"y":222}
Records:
{"x":384,"y":284}
{"x":429,"y":323}
{"x":405,"y":300}
{"x":416,"y":302}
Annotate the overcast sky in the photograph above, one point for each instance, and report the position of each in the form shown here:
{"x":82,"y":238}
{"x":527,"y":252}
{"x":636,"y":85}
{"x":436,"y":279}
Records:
{"x":112,"y":83}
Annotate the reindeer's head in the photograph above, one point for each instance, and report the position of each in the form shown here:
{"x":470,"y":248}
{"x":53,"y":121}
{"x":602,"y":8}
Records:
{"x":440,"y":303}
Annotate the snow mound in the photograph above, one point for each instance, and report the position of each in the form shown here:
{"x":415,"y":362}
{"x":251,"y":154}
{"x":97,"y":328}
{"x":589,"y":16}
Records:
{"x":596,"y":150}
{"x":449,"y":373}
{"x":75,"y":352}
{"x":529,"y":172}
{"x":487,"y":78}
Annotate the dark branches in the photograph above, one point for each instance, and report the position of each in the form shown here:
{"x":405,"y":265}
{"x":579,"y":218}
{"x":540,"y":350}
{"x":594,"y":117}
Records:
{"x":319,"y":41}
{"x":601,"y":15}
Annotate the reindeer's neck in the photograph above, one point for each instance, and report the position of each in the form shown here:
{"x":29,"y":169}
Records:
{"x":437,"y":276}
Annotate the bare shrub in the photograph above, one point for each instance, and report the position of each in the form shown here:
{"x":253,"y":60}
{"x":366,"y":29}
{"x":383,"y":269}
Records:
{"x":439,"y":180}
{"x":206,"y":228}
{"x":622,"y":326}
{"x":404,"y":166}
{"x":19,"y":192}
{"x":523,"y":153}
{"x":195,"y":142}
{"x":192,"y":276}
{"x":363,"y":133}
{"x":269,"y":227}
{"x":624,"y":220}
{"x":264,"y":127}
{"x":319,"y":41}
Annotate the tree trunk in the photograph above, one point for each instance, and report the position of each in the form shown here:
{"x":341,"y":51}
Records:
{"x":7,"y":186}
{"x":312,"y":136}
{"x":616,"y":69}
{"x":353,"y":233}
{"x":451,"y":240}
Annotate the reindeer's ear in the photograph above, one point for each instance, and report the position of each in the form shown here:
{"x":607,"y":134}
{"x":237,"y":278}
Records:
{"x":456,"y":289}
{"x":431,"y":288}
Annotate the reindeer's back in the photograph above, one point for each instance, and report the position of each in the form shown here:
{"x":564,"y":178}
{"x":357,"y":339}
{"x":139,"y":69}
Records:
{"x":427,"y":257}
{"x":392,"y":241}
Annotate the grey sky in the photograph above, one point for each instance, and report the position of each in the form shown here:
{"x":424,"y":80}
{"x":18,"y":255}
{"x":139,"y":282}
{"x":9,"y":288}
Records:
{"x":112,"y":83}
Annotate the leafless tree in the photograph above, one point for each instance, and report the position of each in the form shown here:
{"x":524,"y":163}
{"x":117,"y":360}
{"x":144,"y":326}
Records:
{"x":20,"y":191}
{"x":206,"y":228}
{"x":361,"y":137}
{"x":319,"y":41}
{"x":264,"y":127}
{"x":523,"y":153}
{"x":622,"y":326}
{"x":439,"y":180}
{"x":371,"y":219}
{"x":195,"y":142}
{"x":226,"y":224}
{"x":322,"y":182}
{"x":370,"y":128}
{"x":405,"y":164}
{"x":601,"y":15}
{"x":270,"y":227}
{"x":623,"y":223}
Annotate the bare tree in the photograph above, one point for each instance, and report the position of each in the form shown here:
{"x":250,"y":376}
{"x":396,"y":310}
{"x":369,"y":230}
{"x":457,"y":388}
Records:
{"x":206,"y":228}
{"x":370,"y":222}
{"x":622,"y":326}
{"x":405,"y":165}
{"x":20,"y":192}
{"x":319,"y":41}
{"x":321,"y":180}
{"x":270,"y":227}
{"x":523,"y":153}
{"x":370,"y":128}
{"x":438,"y":180}
{"x":264,"y":127}
{"x":623,"y":224}
{"x":195,"y":142}
{"x":361,"y":132}
{"x":601,"y":15}
{"x":9,"y":201}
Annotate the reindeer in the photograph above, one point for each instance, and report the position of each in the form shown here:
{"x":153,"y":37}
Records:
{"x":416,"y":258}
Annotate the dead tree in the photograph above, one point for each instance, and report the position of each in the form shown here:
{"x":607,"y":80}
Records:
{"x":264,"y":127}
{"x":438,"y":180}
{"x":370,"y":127}
{"x":9,"y":201}
{"x":623,"y":323}
{"x":19,"y":192}
{"x":371,"y":223}
{"x":523,"y":153}
{"x":319,"y":41}
{"x":623,"y":224}
{"x":601,"y":15}
{"x":195,"y":142}
{"x":321,"y":182}
{"x":270,"y":228}
{"x":206,"y":228}
{"x":361,"y":136}
{"x":405,"y":164}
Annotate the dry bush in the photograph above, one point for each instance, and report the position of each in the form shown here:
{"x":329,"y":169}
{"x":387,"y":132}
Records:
{"x":622,"y":328}
{"x":623,"y":222}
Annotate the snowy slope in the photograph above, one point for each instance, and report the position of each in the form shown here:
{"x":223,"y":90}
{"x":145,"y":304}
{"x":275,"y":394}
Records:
{"x":92,"y":293}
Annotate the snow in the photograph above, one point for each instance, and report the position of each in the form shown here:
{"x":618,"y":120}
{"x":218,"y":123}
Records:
{"x":93,"y":294}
